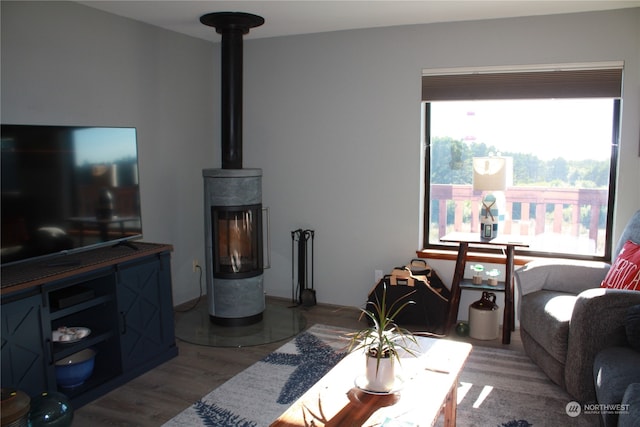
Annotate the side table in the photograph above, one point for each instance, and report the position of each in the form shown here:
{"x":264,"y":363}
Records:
{"x":457,"y":285}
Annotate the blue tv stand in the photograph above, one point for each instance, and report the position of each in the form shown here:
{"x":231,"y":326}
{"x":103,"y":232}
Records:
{"x":123,"y":295}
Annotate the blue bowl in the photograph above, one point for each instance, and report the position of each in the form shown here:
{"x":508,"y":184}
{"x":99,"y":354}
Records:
{"x":74,"y":370}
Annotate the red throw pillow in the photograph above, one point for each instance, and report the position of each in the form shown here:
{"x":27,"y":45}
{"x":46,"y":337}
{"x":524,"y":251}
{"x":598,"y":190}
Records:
{"x":625,"y":271}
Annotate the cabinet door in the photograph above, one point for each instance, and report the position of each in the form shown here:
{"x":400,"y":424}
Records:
{"x":146,"y":309}
{"x":23,"y":357}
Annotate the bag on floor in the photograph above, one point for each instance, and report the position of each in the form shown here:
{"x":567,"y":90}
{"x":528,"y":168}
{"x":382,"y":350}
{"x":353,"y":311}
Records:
{"x":431,"y":296}
{"x":438,"y":301}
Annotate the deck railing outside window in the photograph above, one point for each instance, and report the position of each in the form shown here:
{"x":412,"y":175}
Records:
{"x":561,"y":220}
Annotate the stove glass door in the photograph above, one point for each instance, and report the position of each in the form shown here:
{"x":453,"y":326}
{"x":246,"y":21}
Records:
{"x":237,"y":241}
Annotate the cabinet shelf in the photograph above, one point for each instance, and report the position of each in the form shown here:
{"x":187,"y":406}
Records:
{"x":60,"y":351}
{"x":468,"y":284}
{"x":58,"y":314}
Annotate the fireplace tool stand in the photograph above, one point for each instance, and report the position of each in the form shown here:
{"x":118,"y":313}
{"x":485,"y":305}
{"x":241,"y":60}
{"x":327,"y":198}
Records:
{"x":306,"y":296}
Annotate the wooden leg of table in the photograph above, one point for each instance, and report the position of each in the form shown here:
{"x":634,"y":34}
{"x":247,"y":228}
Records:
{"x":451,"y":406}
{"x":458,"y":274}
{"x":508,"y":321}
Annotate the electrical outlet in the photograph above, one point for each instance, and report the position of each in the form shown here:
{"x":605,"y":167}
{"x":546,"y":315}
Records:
{"x":195,"y":265}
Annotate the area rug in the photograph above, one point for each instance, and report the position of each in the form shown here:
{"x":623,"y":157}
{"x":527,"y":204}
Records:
{"x":498,"y":387}
{"x":259,"y":394}
{"x":502,"y":387}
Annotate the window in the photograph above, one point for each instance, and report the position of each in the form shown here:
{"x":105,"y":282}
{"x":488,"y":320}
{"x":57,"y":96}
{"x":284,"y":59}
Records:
{"x":560,"y":129}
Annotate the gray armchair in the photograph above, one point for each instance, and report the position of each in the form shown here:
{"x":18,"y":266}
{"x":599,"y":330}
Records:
{"x":566,"y":318}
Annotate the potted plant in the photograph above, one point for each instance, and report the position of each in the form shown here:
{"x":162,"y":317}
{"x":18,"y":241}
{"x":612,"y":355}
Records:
{"x":476,"y":279}
{"x":493,"y":277}
{"x":382,"y":341}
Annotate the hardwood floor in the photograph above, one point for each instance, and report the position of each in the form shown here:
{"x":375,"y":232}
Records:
{"x":157,"y":396}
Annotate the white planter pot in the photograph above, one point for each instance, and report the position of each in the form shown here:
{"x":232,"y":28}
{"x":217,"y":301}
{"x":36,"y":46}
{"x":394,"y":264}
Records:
{"x":383,"y":378}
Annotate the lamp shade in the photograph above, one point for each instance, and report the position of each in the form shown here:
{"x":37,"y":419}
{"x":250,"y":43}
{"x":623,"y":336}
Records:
{"x":492,"y":173}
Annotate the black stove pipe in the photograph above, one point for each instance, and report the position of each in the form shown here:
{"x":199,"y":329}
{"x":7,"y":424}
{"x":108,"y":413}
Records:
{"x":232,"y":26}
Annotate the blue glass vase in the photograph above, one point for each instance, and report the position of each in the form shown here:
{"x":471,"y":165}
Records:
{"x":50,"y":409}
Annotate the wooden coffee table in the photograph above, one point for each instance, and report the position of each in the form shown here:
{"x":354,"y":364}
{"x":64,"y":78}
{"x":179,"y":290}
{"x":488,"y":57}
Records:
{"x":427,"y":386}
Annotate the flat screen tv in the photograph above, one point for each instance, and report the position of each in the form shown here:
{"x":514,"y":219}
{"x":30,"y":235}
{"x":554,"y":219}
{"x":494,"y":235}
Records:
{"x":66,"y":189}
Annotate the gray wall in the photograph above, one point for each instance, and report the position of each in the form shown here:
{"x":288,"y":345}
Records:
{"x":332,"y":119}
{"x":63,"y":63}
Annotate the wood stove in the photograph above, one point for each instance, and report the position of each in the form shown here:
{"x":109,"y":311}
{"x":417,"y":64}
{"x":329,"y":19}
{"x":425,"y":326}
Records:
{"x":233,"y":195}
{"x":234,"y":256}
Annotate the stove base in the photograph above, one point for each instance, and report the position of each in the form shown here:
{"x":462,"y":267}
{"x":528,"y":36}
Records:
{"x":239,"y":321}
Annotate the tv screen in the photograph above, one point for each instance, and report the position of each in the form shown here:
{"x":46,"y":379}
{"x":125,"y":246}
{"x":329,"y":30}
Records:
{"x":66,"y":189}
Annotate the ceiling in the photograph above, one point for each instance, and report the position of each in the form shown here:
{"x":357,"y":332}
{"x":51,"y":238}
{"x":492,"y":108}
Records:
{"x":312,"y":16}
